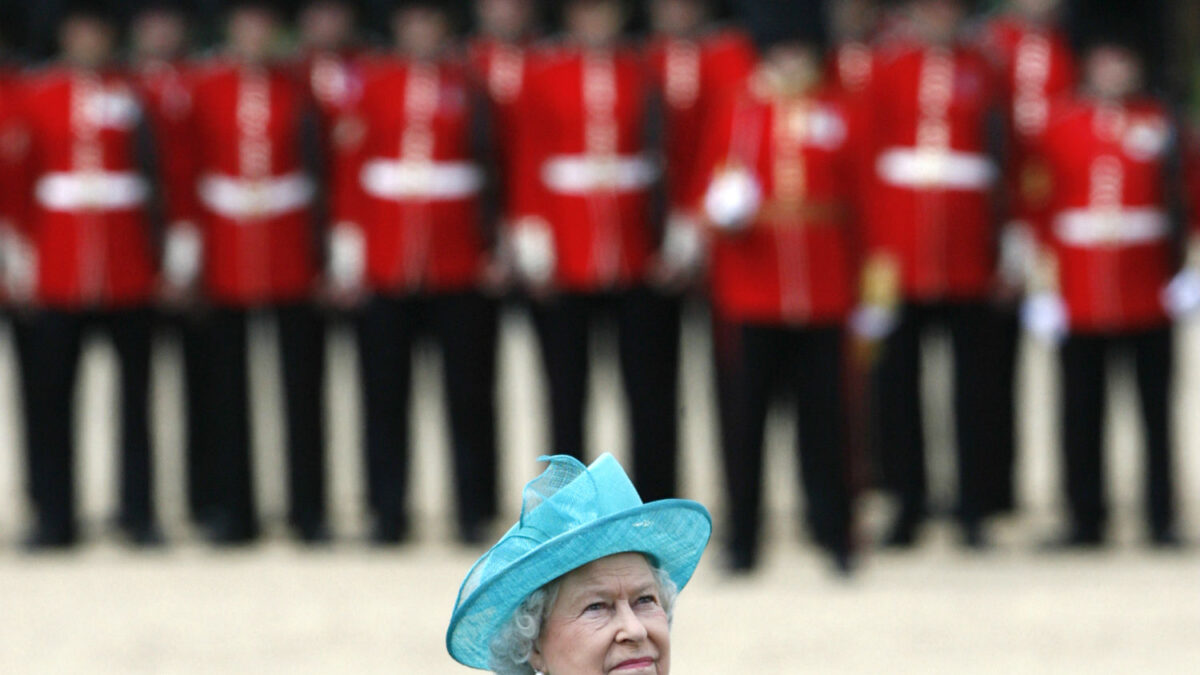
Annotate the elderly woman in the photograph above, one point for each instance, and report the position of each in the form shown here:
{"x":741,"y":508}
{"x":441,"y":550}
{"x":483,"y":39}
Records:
{"x":584,"y":583}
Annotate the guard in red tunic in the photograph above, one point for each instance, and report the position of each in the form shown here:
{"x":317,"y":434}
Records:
{"x":697,"y":66}
{"x":1109,"y":254}
{"x":779,"y":197}
{"x":929,"y":250}
{"x":85,"y":220}
{"x":255,"y":145}
{"x":158,"y":33}
{"x":414,"y":234}
{"x":585,"y":232}
{"x":1036,"y":66}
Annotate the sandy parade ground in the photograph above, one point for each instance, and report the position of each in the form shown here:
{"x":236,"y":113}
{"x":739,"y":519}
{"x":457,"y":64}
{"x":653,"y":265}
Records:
{"x":346,"y":608}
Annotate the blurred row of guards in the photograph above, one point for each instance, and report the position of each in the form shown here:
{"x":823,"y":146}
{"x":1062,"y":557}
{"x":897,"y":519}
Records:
{"x":837,"y":181}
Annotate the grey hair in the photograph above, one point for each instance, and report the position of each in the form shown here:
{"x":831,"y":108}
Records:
{"x":512,"y":646}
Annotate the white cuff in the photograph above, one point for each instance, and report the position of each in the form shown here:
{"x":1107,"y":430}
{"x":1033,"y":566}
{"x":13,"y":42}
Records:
{"x":347,"y":256}
{"x":873,"y":322}
{"x":533,"y":254}
{"x":18,"y":262}
{"x":1018,"y":253}
{"x":682,"y":246}
{"x":1181,"y":297}
{"x":182,"y":253}
{"x":732,"y":199}
{"x":1045,"y":317}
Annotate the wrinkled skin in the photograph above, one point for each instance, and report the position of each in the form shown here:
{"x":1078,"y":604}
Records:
{"x":606,"y":620}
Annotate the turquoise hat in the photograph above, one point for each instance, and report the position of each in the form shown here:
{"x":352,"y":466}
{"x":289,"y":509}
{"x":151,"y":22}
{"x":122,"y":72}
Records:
{"x":570,"y":515}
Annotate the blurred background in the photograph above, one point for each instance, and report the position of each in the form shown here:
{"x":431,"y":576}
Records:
{"x":351,"y":600}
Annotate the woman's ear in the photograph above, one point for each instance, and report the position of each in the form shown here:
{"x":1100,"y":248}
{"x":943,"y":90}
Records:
{"x":536,"y":660}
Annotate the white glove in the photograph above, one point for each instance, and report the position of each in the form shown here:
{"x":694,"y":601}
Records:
{"x":347,"y":257}
{"x":873,"y":322}
{"x":18,"y":262}
{"x":732,"y":199}
{"x":182,"y":252}
{"x":682,"y":246}
{"x":533,"y":254}
{"x":1017,"y":254}
{"x":1044,"y":315}
{"x":1181,"y":297}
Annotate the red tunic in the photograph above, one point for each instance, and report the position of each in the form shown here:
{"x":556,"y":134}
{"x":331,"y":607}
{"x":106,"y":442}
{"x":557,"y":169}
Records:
{"x":85,"y":211}
{"x":254,"y":194}
{"x":1108,"y":222}
{"x":415,"y":184}
{"x":695,"y":77}
{"x":794,"y":264}
{"x":929,"y":202}
{"x":585,"y":166}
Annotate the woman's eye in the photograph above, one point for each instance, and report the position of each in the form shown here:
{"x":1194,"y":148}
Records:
{"x":647,"y":600}
{"x":595,"y":607}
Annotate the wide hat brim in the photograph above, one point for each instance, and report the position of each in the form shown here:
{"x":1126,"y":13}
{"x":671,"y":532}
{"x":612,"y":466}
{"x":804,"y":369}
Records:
{"x":672,"y":532}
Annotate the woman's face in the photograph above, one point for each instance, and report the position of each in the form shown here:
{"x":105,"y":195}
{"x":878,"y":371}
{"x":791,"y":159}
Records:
{"x":607,"y":618}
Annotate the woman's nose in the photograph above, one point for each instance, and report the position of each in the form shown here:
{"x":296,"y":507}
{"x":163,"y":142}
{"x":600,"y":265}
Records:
{"x":631,"y":628}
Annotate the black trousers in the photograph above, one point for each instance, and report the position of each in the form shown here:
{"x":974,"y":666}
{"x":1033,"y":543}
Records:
{"x":998,"y":455}
{"x":896,"y":384}
{"x":648,"y":334}
{"x":464,"y":326}
{"x":754,"y":362}
{"x":225,"y":410}
{"x":199,"y":450}
{"x":51,"y":343}
{"x":18,"y":323}
{"x":1084,"y":368}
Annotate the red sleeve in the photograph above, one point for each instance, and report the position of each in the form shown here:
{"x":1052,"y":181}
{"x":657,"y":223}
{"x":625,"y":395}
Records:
{"x":530,"y":149}
{"x":23,"y":161}
{"x":735,"y":60}
{"x":739,"y":62}
{"x":714,"y":151}
{"x":13,"y":148}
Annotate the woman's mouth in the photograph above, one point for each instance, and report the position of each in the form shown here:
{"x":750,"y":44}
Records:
{"x":634,"y":665}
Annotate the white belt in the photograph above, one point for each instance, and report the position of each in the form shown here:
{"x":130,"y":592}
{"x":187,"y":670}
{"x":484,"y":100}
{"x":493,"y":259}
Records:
{"x":101,"y":190}
{"x":1090,"y":227}
{"x":245,"y":198}
{"x":580,"y":174}
{"x":920,"y":168}
{"x":402,"y":179}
